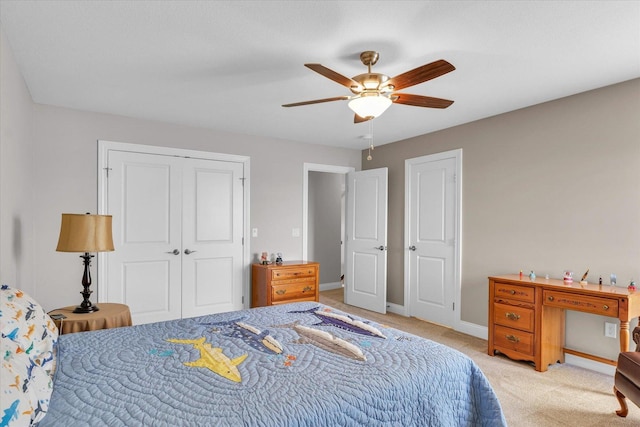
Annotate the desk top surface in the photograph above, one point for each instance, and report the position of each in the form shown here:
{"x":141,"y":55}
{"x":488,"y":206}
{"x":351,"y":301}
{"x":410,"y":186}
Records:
{"x":575,"y":286}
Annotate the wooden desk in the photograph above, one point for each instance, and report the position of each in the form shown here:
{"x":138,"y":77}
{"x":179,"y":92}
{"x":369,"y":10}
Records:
{"x":109,"y":316}
{"x":527,"y":317}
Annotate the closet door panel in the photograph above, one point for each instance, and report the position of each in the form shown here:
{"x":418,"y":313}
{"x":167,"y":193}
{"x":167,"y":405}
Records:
{"x":144,"y":196}
{"x":212,"y":237}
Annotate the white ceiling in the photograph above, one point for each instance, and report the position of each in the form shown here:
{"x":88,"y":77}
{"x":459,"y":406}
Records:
{"x":230,"y":65}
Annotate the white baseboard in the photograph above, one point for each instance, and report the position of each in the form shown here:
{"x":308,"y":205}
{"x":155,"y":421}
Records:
{"x":592,"y":365}
{"x":396,"y":309}
{"x":330,"y":286}
{"x":473,"y":329}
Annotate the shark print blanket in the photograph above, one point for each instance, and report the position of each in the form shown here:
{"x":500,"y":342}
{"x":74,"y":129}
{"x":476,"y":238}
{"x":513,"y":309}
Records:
{"x":300,"y":364}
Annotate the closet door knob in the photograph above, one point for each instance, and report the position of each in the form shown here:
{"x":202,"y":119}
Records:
{"x":412,"y":247}
{"x":175,"y":252}
{"x":189,"y":251}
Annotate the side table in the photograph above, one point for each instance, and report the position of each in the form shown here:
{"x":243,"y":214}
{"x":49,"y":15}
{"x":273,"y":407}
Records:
{"x":109,"y":316}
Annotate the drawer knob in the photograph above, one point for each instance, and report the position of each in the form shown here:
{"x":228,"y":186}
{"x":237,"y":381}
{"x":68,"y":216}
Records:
{"x":512,"y":316}
{"x":512,"y":338}
{"x":550,"y":298}
{"x":513,"y":292}
{"x":306,"y":289}
{"x":606,"y":307}
{"x":281,"y":291}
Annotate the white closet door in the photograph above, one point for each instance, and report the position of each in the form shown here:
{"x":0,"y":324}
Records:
{"x":212,"y":225}
{"x":144,"y":271}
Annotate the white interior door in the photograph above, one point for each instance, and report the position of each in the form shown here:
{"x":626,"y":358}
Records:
{"x":366,"y":240}
{"x":431,"y":215}
{"x":178,"y":226}
{"x":144,"y":271}
{"x":211,"y":236}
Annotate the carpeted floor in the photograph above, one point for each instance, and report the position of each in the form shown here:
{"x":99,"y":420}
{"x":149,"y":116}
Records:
{"x":565,"y":395}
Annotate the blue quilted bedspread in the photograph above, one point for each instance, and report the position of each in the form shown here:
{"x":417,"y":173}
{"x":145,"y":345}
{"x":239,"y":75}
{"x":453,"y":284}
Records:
{"x":302,"y":364}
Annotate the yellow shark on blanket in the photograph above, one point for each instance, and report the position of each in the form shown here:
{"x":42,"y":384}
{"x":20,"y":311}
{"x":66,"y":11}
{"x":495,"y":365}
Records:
{"x":214,"y":359}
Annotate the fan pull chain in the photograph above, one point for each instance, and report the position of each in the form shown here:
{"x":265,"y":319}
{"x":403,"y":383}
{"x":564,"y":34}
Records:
{"x":369,"y":157}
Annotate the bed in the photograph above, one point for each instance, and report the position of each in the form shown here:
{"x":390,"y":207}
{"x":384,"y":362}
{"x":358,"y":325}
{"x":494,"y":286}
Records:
{"x":300,"y":364}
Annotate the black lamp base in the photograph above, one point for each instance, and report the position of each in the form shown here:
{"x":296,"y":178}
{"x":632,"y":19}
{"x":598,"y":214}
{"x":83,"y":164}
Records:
{"x":86,"y":306}
{"x":90,"y":309}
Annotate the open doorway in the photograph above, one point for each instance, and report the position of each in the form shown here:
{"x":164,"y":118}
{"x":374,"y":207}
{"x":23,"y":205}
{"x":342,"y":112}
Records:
{"x":323,"y":220}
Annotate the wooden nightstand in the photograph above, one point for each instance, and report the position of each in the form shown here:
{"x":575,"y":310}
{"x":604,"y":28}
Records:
{"x":109,"y":316}
{"x":291,"y":281}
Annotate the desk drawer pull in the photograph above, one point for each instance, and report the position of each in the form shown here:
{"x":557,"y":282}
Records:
{"x":307,"y":289}
{"x":550,"y":298}
{"x":512,"y":316}
{"x":605,"y":307}
{"x":281,"y":291}
{"x":512,"y":292}
{"x":512,"y":338}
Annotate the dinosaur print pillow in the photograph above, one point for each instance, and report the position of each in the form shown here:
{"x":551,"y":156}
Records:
{"x":27,"y":352}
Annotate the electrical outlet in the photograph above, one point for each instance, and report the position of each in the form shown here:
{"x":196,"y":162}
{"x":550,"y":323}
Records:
{"x":254,"y":232}
{"x":610,"y":330}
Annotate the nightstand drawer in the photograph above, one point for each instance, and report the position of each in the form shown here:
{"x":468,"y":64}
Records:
{"x":300,"y":289}
{"x":602,"y":306}
{"x":515,"y":292}
{"x":514,"y":317}
{"x":513,"y":339}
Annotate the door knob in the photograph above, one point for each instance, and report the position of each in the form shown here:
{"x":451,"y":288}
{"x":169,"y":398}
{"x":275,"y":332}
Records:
{"x":189,"y":251}
{"x":380,"y":248}
{"x":175,"y":252}
{"x":412,"y":247}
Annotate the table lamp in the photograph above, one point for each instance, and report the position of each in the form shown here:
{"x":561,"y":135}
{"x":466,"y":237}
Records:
{"x":85,"y":233}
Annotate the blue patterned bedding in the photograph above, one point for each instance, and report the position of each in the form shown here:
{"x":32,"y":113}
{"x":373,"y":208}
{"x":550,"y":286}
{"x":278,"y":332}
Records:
{"x":302,"y":364}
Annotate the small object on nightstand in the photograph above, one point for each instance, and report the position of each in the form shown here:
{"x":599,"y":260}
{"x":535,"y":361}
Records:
{"x":279,"y":258}
{"x":532,"y":275}
{"x":58,"y":316}
{"x":613,"y":279}
{"x":632,"y":286}
{"x":264,"y":258}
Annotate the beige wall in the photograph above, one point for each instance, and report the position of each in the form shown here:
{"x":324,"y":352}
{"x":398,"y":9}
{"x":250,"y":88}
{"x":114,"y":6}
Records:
{"x":16,"y":181}
{"x":546,"y":188}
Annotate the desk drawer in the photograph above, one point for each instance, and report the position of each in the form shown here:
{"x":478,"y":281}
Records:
{"x":513,"y":317}
{"x":515,"y":292}
{"x":302,"y":289}
{"x":513,"y":339}
{"x":602,"y":306}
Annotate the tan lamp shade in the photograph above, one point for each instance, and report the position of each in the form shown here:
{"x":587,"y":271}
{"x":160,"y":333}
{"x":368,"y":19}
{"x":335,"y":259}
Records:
{"x":85,"y":233}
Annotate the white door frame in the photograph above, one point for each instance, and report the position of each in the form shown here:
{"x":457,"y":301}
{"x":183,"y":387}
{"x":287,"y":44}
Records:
{"x":457,"y":251}
{"x":103,"y":149}
{"x":308,"y":167}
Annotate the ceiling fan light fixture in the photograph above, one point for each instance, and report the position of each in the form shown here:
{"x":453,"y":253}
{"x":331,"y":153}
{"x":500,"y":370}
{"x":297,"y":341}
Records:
{"x":369,"y":105}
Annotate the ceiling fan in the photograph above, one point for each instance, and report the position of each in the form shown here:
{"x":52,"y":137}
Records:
{"x":373,"y":93}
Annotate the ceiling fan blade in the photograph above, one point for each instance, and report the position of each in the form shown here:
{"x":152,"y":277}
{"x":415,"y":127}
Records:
{"x":336,"y":77}
{"x":421,"y":74}
{"x":358,"y":119}
{"x":317,"y":101}
{"x":420,"y":101}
